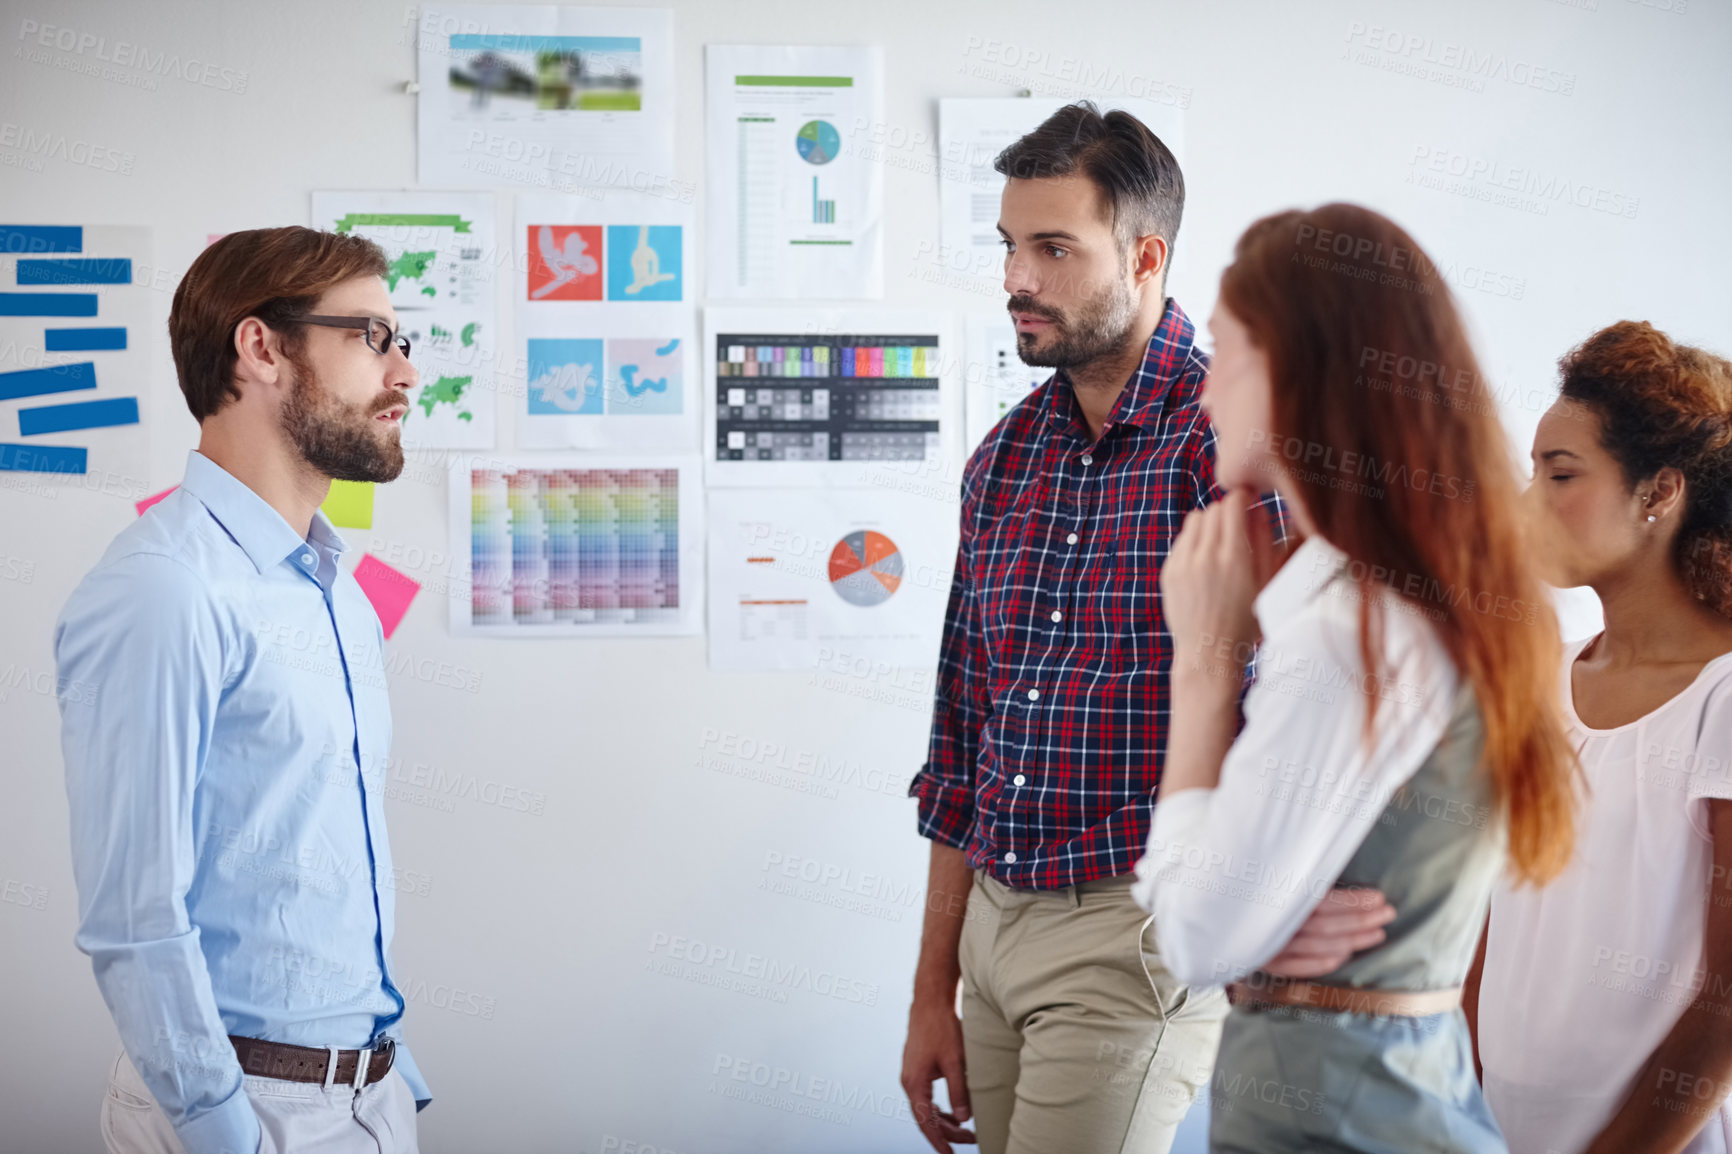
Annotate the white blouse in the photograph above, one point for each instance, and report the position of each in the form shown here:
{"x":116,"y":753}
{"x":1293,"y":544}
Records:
{"x":1584,"y":978}
{"x":1232,"y":872}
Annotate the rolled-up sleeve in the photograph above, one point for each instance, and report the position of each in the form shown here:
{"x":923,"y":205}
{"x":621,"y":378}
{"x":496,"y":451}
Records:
{"x":140,"y":656}
{"x":944,"y":786}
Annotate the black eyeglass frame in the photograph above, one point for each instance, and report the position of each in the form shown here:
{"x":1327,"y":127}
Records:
{"x":365,"y":324}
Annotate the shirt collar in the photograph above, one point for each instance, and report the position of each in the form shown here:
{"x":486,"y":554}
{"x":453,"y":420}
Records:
{"x":1298,"y":582}
{"x":1145,"y":395}
{"x":258,"y":529}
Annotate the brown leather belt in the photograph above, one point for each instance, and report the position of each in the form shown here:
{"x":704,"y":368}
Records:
{"x":312,"y":1063}
{"x":1344,"y":999}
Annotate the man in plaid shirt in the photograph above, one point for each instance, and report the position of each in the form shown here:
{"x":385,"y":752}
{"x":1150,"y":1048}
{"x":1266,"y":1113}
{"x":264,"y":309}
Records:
{"x":1051,"y":716}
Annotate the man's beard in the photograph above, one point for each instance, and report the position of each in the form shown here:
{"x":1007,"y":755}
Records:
{"x":344,"y":442}
{"x":1101,"y":328}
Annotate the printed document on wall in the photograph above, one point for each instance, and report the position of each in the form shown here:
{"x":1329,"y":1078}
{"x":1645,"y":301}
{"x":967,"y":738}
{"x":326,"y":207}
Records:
{"x":796,"y":194}
{"x":850,"y":581}
{"x":604,"y":323}
{"x":549,"y":97}
{"x":845,"y":396}
{"x":576,"y":546}
{"x":442,"y":267}
{"x":995,"y":378}
{"x":972,"y":132}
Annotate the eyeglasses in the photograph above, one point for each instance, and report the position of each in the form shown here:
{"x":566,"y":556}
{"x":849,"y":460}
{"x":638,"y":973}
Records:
{"x":380,"y":338}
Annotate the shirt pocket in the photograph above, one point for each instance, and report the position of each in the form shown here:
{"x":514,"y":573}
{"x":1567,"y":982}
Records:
{"x":1129,"y":604}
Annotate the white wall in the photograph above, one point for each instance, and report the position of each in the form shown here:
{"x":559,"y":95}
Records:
{"x":549,"y":919}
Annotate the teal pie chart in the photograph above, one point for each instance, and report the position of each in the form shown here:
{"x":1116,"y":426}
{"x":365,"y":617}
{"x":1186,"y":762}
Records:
{"x":818,"y":142}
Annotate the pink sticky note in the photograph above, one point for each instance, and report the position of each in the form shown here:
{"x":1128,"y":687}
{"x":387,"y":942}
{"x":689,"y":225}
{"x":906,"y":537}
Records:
{"x":388,"y":590}
{"x":141,"y":506}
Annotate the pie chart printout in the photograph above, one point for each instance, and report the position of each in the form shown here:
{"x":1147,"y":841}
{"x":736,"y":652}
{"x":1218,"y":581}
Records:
{"x":865,"y":568}
{"x":818,"y":142}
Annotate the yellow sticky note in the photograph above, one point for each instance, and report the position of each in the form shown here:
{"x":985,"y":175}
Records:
{"x":350,"y":505}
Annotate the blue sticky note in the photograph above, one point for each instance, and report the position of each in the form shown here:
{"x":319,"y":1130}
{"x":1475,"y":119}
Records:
{"x":82,"y":415}
{"x":83,"y":340}
{"x":41,"y":238}
{"x":43,"y":459}
{"x":52,"y":379}
{"x":47,"y":304}
{"x":116,"y":270}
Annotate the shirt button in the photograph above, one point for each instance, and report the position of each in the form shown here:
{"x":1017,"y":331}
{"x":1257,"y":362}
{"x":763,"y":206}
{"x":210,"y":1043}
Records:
{"x":1034,"y":695}
{"x":306,"y":558}
{"x":1071,"y":540}
{"x":1019,"y":780}
{"x":1010,"y":857}
{"x":1057,"y":616}
{"x":1087,"y":459}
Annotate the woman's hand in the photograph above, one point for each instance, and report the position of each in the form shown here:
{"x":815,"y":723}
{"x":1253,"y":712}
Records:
{"x":1208,"y":583}
{"x":1346,"y":921}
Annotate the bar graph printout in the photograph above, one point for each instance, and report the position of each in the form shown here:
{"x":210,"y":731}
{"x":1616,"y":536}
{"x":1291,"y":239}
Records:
{"x":797,"y":150}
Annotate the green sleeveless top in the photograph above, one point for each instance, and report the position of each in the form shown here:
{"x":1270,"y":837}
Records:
{"x":1436,"y":851}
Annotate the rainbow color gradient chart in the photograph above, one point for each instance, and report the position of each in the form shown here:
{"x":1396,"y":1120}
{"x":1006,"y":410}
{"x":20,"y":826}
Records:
{"x":72,"y":367}
{"x":578,"y":547}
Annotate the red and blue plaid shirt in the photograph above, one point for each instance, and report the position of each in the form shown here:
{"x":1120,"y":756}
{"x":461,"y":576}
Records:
{"x":1051,"y":717}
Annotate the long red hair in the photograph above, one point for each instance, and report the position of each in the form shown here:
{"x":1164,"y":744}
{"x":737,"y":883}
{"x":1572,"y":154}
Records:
{"x":1403,"y":464}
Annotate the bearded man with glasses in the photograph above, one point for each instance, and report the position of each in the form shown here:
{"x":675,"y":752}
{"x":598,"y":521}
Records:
{"x":225,"y":777}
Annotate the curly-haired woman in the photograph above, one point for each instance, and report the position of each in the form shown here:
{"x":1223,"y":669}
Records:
{"x":1605,"y":1008}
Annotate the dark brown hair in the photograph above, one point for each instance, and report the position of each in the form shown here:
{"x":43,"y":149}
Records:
{"x":1661,"y":404}
{"x":1138,"y":175}
{"x":275,"y":274}
{"x":1333,"y":296}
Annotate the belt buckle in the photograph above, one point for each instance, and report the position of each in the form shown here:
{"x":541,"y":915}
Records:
{"x":387,"y":1048}
{"x":364,"y":1061}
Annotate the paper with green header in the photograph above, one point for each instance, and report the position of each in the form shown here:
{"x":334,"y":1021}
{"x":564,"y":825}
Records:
{"x":442,"y":268}
{"x":797,"y":151}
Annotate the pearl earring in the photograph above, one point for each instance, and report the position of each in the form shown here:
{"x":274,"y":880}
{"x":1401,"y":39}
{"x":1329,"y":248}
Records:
{"x":1650,"y":516}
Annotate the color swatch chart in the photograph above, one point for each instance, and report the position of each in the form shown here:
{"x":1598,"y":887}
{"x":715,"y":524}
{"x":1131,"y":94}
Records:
{"x":574,"y":546}
{"x":65,"y":310}
{"x":803,"y":398}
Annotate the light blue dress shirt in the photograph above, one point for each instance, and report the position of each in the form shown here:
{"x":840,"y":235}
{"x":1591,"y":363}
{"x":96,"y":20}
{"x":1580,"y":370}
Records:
{"x":222,"y":685}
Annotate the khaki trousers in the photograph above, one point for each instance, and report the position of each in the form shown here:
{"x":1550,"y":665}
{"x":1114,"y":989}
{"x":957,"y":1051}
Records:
{"x":1078,"y":1040}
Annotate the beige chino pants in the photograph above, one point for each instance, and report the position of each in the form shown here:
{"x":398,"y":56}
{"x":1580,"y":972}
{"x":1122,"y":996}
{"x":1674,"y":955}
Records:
{"x":294,"y":1117}
{"x":1078,"y":1040}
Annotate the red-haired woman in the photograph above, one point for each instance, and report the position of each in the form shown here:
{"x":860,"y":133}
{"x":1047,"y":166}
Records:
{"x":1605,"y":1006}
{"x":1403,"y":731}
